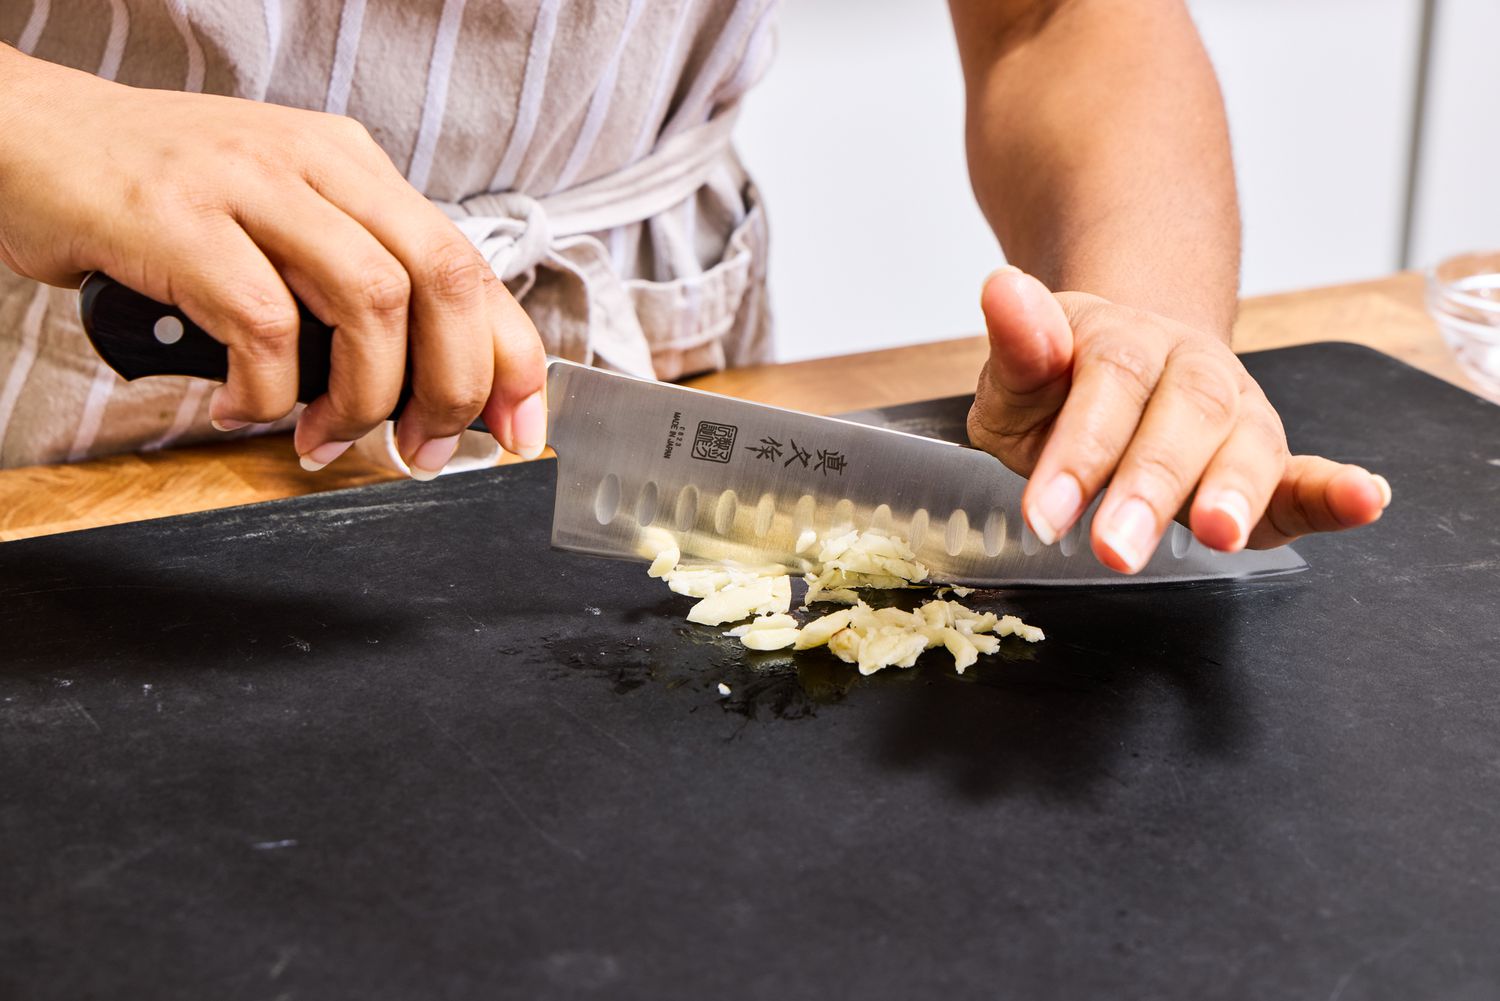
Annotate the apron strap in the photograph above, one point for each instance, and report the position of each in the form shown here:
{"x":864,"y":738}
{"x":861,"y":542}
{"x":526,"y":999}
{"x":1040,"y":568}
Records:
{"x":516,"y":232}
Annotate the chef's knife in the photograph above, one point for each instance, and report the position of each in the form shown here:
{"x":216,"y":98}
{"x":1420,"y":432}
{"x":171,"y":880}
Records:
{"x":640,"y":462}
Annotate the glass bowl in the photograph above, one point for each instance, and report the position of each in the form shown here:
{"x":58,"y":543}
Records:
{"x":1463,"y":295}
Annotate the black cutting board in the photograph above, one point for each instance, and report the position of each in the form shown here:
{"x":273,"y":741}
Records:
{"x":385,"y":743}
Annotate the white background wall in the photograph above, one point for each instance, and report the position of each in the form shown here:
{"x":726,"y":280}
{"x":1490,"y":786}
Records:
{"x":1457,"y":206}
{"x":1320,"y":95}
{"x":856,"y":137}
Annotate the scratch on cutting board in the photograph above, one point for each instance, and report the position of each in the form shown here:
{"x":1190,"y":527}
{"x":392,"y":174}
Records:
{"x":91,"y":587}
{"x":504,"y":791}
{"x":78,"y":708}
{"x":270,"y":846}
{"x":1365,"y":960}
{"x":1468,"y":565}
{"x":1181,"y":792}
{"x":1302,"y":853}
{"x":593,"y":726}
{"x":96,"y":877}
{"x":247,"y":535}
{"x":1453,"y":879}
{"x":364,"y":512}
{"x":284,"y":958}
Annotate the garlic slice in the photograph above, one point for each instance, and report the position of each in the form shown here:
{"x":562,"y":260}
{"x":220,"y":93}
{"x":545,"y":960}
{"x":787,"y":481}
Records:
{"x":667,"y":558}
{"x":872,"y":639}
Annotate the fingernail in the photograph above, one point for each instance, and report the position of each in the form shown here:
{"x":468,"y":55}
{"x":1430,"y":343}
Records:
{"x":430,"y":459}
{"x":1131,"y":532}
{"x":1237,"y":507}
{"x":1057,"y":507}
{"x":215,"y":415}
{"x":317,"y":458}
{"x":1384,"y":486}
{"x":1004,"y":269}
{"x":528,"y":426}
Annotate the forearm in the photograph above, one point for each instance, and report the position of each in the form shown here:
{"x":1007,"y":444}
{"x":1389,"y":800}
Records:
{"x":1099,"y":151}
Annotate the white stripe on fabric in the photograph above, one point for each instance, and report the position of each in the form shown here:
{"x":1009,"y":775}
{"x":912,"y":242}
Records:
{"x":758,"y":53}
{"x":439,"y":70}
{"x":617,"y":249}
{"x":690,"y":235}
{"x":119,"y":34}
{"x":35,"y":25}
{"x":100,"y":390}
{"x":20,"y":369}
{"x":593,"y":122}
{"x":187,"y":409}
{"x":102,"y":386}
{"x":529,"y":108}
{"x":193,"y":81}
{"x":346,"y":49}
{"x":272,"y":11}
{"x":695,"y":107}
{"x":665,"y":76}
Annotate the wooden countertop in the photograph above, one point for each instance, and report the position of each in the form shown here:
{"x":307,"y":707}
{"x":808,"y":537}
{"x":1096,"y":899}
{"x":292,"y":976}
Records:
{"x":1386,"y":314}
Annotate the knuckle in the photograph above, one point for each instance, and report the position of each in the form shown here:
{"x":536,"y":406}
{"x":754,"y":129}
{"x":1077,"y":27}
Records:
{"x":1094,"y":450}
{"x":456,"y":273}
{"x":354,"y":136}
{"x":1129,"y":366}
{"x":1301,"y":515}
{"x":1017,"y":449}
{"x":258,"y":410}
{"x":230,"y":145}
{"x":355,"y":413}
{"x":1160,"y":472}
{"x":991,"y":419}
{"x":1079,"y":304}
{"x":322,"y":127}
{"x":267,"y":323}
{"x":1208,"y":389}
{"x":1266,"y":427}
{"x":351,"y":129}
{"x":181,"y":197}
{"x":455,"y":406}
{"x":384,"y":289}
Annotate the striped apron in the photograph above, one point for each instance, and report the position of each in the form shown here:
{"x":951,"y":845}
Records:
{"x":583,"y":147}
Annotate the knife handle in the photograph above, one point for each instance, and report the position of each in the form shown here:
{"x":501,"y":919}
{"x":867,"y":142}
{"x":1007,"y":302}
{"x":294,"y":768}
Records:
{"x":139,"y":337}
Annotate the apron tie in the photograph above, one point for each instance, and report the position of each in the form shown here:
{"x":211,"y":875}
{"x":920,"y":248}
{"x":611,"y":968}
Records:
{"x":511,"y":230}
{"x":518,"y":233}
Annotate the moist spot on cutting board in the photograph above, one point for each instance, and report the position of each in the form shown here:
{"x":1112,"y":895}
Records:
{"x":694,"y":661}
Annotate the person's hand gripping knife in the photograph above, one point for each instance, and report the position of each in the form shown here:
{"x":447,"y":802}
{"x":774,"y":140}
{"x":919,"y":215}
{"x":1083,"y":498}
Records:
{"x":226,"y":208}
{"x":1083,"y":395}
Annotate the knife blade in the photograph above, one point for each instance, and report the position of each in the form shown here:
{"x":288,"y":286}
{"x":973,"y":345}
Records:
{"x":641,"y":461}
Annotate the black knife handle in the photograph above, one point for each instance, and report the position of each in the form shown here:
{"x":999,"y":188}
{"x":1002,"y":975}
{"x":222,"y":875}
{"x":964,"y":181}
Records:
{"x":140,"y":337}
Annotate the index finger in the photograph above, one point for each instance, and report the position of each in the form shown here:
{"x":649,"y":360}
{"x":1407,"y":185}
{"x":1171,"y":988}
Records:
{"x":1113,"y":378}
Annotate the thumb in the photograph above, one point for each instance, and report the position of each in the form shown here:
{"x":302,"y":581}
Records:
{"x":1027,"y":376}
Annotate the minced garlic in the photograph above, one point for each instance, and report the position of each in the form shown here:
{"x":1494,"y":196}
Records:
{"x":867,"y":637}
